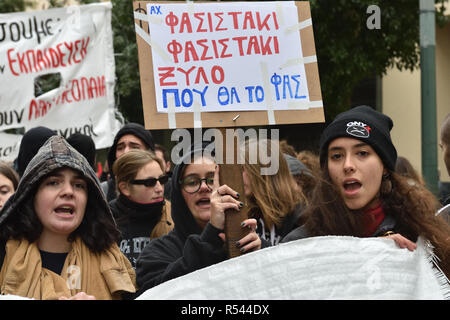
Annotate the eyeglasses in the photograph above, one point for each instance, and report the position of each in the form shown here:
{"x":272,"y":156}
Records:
{"x":151,"y":182}
{"x":191,"y":184}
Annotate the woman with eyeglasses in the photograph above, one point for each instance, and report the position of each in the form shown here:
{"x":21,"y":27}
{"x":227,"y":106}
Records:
{"x":140,"y":210}
{"x":197,"y":241}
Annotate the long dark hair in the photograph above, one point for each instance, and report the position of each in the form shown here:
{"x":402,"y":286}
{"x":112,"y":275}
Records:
{"x":413,"y":208}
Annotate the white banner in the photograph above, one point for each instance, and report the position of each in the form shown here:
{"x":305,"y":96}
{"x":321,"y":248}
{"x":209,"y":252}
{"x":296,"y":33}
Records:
{"x":227,"y":56}
{"x":74,"y":42}
{"x":9,"y":146}
{"x":315,"y":268}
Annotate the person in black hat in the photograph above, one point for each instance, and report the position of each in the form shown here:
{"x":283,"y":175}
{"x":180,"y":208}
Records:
{"x":84,"y":145}
{"x":32,"y":140}
{"x":130,"y":136}
{"x":359,"y":193}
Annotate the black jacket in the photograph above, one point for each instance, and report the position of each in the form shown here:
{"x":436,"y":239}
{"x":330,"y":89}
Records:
{"x":185,"y":249}
{"x":275,"y":236}
{"x":136,"y":222}
{"x":388,"y":224}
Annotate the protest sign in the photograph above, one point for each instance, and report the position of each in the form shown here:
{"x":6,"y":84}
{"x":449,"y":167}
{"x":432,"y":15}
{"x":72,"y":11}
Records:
{"x":218,"y":64}
{"x":75,"y":45}
{"x":329,"y":267}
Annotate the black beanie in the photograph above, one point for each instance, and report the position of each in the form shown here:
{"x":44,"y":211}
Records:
{"x":135,"y":129}
{"x":365,"y":124}
{"x":84,"y":145}
{"x":31,"y":142}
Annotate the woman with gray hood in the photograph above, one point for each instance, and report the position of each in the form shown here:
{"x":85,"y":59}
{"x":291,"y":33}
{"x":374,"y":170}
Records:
{"x":57,"y":234}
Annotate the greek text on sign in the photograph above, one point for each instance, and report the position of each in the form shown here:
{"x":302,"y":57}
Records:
{"x":232,"y":57}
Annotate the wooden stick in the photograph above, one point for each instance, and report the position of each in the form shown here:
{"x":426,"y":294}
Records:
{"x":231,"y":175}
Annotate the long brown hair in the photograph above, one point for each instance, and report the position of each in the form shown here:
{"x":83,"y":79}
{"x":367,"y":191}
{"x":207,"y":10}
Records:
{"x":9,"y":173}
{"x":413,"y":208}
{"x":273,"y":196}
{"x":406,"y":169}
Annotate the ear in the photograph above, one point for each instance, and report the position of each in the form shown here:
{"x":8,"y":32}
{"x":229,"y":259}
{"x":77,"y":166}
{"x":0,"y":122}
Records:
{"x":124,"y":188}
{"x":386,"y":174}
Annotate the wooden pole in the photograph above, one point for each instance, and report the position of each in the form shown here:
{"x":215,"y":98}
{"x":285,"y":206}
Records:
{"x":231,"y":175}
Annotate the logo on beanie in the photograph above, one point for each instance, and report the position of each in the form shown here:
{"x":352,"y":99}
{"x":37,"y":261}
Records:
{"x":358,"y":129}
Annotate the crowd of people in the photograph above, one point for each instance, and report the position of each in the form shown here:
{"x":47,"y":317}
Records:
{"x":66,"y":235}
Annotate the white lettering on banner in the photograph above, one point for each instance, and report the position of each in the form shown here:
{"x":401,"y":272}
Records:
{"x":73,"y":42}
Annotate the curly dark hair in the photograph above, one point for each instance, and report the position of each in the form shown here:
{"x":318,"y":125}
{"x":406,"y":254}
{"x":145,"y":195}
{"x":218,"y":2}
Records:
{"x":413,"y":207}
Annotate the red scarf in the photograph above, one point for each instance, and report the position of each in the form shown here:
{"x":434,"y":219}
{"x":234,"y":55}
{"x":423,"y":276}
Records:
{"x":373,"y":218}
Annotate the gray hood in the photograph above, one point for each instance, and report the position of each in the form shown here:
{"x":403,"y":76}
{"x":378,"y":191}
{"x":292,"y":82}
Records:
{"x":56,"y":153}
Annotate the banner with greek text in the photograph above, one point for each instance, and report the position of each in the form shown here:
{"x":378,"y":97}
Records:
{"x":9,"y":146}
{"x":239,"y":56}
{"x":73,"y":45}
{"x":328,"y":267}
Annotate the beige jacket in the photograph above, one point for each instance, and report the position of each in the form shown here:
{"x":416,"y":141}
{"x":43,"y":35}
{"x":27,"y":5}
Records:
{"x":104,"y":275}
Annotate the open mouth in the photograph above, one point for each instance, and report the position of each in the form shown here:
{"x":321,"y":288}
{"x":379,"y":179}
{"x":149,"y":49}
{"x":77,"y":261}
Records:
{"x":204,"y":202}
{"x":352,"y":186}
{"x":65,"y":210}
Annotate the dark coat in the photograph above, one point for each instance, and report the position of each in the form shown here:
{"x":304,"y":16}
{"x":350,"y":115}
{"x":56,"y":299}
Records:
{"x":185,"y":249}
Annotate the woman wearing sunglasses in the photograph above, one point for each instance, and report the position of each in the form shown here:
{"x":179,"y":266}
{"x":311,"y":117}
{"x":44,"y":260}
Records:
{"x":197,"y":240}
{"x":140,"y":210}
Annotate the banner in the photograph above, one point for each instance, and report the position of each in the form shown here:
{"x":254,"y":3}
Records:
{"x":73,"y":44}
{"x":316,"y":268}
{"x":9,"y":146}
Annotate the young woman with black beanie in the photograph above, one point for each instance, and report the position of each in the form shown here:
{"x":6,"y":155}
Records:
{"x":360,"y":194}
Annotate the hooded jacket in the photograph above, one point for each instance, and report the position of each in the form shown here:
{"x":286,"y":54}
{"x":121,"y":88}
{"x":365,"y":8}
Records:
{"x":104,"y":274}
{"x":109,"y":187}
{"x":185,"y":249}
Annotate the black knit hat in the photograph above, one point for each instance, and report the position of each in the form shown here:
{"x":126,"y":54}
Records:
{"x":32,"y":140}
{"x":365,"y":124}
{"x":135,"y":129}
{"x":85,"y":145}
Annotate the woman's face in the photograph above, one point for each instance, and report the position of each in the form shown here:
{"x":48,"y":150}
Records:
{"x":60,"y":201}
{"x":143,"y":194}
{"x":199,"y":202}
{"x":6,"y":189}
{"x":356,"y":169}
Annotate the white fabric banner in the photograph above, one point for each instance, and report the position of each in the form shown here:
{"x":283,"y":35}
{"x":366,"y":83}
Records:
{"x":9,"y":146}
{"x":74,"y":42}
{"x":315,"y":268}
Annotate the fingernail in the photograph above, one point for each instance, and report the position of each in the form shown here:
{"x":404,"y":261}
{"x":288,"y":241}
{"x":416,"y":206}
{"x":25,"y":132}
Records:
{"x":242,"y":224}
{"x":242,"y":250}
{"x":237,"y":195}
{"x":237,"y":244}
{"x":241,"y":204}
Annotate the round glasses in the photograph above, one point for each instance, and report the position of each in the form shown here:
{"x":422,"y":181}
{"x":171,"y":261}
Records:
{"x":151,"y":182}
{"x":191,"y":184}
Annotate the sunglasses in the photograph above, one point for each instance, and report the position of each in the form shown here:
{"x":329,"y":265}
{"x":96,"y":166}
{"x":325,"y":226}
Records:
{"x":151,"y":182}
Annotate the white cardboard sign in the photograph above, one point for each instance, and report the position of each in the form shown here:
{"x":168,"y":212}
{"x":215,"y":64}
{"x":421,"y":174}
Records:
{"x":239,"y":56}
